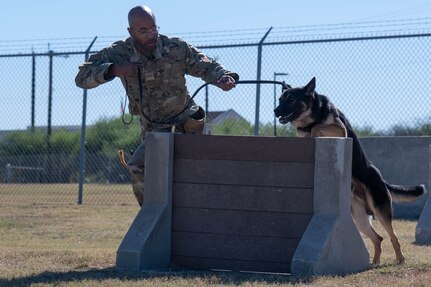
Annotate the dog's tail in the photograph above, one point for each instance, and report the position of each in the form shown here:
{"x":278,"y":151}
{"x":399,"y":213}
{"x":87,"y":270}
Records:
{"x":403,"y":193}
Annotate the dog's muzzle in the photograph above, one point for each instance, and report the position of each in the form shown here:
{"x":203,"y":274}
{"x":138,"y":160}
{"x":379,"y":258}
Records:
{"x":283,"y":119}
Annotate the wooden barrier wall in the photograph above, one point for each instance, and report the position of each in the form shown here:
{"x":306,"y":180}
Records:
{"x":240,"y":204}
{"x":245,"y":204}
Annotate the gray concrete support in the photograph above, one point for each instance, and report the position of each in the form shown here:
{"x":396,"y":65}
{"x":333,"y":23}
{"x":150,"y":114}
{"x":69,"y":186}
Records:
{"x":332,"y":243}
{"x":147,"y":244}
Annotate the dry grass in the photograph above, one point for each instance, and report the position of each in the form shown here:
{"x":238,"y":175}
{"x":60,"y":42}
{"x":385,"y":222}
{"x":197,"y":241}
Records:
{"x":13,"y":194}
{"x":71,"y":245}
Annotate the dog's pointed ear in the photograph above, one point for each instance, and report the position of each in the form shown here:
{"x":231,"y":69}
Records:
{"x":285,"y":86}
{"x":310,"y":87}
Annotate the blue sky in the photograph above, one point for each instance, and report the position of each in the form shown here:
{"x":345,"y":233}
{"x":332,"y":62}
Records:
{"x":23,"y":21}
{"x":48,"y":19}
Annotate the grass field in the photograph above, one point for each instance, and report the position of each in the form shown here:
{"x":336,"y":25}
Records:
{"x":66,"y":193}
{"x":66,"y":244}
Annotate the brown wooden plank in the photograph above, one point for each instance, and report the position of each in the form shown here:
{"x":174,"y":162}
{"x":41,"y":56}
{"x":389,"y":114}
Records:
{"x":241,"y":223}
{"x":244,"y":173}
{"x":229,"y":264}
{"x":257,"y":198}
{"x":222,"y":246}
{"x":283,"y":149}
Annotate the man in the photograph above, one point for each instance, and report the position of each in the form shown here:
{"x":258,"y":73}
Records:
{"x":152,"y":69}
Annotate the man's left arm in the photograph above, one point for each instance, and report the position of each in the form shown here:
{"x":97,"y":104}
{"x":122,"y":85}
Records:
{"x":209,"y":70}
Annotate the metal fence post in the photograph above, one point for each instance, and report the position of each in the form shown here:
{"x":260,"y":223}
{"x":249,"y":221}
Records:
{"x":48,"y":169}
{"x":82,"y":145}
{"x":33,"y":89}
{"x":259,"y":68}
{"x":206,"y":99}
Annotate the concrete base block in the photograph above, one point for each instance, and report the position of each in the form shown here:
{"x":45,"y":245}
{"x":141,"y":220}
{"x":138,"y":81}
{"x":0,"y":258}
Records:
{"x":331,"y":245}
{"x":142,"y":247}
{"x":423,"y":228}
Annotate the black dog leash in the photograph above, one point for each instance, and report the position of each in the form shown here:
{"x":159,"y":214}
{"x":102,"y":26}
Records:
{"x":286,"y":86}
{"x":172,"y":119}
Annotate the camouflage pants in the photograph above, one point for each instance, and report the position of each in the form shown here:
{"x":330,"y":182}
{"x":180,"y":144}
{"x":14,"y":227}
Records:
{"x":137,"y":161}
{"x":138,"y":186}
{"x":137,"y":169}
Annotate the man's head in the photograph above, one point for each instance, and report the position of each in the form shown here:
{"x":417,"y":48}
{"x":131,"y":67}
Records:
{"x":143,"y":28}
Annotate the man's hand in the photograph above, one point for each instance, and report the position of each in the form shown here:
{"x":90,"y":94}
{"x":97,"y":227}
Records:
{"x":124,"y":69}
{"x":226,"y":83}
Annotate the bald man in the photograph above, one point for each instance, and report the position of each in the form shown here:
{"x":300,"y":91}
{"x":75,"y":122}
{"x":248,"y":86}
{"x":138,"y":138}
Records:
{"x":152,"y":69}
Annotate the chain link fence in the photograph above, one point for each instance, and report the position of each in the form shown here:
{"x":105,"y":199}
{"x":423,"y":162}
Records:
{"x":381,"y":82}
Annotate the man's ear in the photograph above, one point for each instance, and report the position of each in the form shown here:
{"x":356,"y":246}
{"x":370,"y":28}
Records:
{"x":130,"y":31}
{"x":310,"y":87}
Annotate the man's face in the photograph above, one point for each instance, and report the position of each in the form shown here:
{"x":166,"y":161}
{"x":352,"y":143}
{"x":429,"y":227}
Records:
{"x":144,"y":32}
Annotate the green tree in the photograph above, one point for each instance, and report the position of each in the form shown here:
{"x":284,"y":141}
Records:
{"x":281,"y":130}
{"x":110,"y":134}
{"x":233,"y":127}
{"x":366,"y":131}
{"x":23,"y":142}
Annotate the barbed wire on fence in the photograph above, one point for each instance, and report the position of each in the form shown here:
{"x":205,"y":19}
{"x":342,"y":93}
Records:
{"x":239,"y":36}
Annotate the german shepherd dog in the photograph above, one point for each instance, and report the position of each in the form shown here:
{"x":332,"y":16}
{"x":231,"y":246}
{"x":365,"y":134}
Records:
{"x":314,"y":115}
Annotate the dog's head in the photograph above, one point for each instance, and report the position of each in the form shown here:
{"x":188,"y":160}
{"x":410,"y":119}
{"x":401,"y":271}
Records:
{"x":293,"y":102}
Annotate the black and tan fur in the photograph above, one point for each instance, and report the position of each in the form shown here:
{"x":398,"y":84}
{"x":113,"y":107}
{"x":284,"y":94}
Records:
{"x":313,"y":115}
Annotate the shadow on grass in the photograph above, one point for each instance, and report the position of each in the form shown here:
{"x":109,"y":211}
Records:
{"x":220,"y":277}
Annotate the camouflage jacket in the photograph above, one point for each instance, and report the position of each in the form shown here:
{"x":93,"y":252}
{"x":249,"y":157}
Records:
{"x":161,"y":92}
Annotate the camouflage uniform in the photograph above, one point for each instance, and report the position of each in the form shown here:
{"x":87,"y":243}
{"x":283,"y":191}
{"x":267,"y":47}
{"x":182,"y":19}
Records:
{"x":158,"y":91}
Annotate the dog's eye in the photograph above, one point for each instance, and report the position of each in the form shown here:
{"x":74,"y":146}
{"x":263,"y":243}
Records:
{"x":291,"y":99}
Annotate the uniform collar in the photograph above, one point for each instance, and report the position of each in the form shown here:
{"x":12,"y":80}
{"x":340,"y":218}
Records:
{"x":157,"y":53}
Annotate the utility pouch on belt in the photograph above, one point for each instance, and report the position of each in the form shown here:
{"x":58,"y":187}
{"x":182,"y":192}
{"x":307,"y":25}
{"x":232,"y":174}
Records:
{"x":195,"y":123}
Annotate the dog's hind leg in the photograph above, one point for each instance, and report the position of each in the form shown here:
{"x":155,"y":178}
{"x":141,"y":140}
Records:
{"x":362,"y":221}
{"x":361,"y":213}
{"x":384,"y":216}
{"x":380,"y":202}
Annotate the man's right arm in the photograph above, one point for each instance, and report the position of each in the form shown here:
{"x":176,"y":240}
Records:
{"x":95,"y":71}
